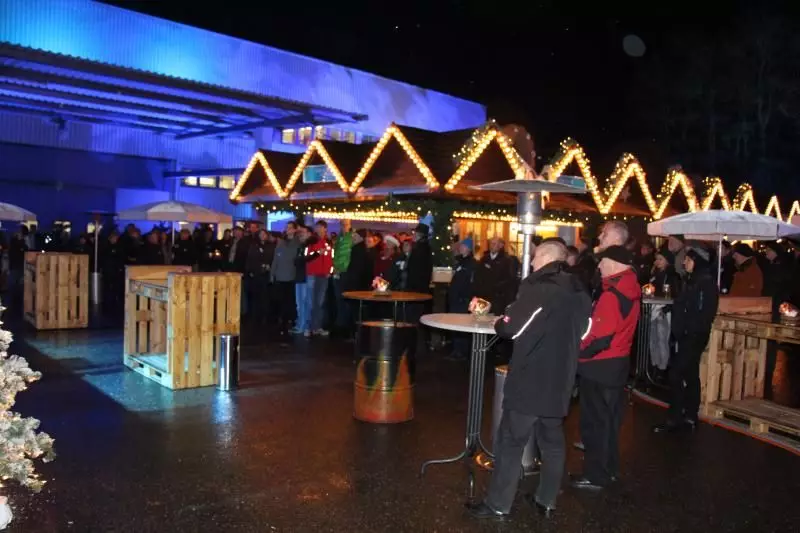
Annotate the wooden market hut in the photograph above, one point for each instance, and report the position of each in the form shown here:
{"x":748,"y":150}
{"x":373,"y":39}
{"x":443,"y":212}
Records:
{"x":409,"y":172}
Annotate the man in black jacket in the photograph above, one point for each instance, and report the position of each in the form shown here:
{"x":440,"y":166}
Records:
{"x":496,"y":277}
{"x":546,"y":323}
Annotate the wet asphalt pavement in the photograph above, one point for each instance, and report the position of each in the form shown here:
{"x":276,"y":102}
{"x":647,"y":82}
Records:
{"x":284,"y":454}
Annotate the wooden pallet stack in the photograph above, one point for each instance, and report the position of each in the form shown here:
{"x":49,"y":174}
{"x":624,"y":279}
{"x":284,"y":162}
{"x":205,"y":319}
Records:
{"x":733,"y":371}
{"x":56,"y":290}
{"x":172,"y":322}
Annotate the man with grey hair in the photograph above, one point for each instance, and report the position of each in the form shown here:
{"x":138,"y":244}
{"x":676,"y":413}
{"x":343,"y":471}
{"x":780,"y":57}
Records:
{"x":546,"y":323}
{"x":614,"y":233}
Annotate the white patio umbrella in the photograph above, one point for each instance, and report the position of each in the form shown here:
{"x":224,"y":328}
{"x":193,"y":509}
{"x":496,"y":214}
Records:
{"x":716,"y":225}
{"x":175,"y":211}
{"x":14,"y":213}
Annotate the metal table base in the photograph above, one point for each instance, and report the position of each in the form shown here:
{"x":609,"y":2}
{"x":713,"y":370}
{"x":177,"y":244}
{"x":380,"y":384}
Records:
{"x":473,"y":442}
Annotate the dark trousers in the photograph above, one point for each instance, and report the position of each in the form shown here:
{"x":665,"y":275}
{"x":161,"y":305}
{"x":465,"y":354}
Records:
{"x":284,"y":298}
{"x":512,"y":436}
{"x":344,"y":313}
{"x":602,"y":408}
{"x":684,"y":378}
{"x":258,"y":296}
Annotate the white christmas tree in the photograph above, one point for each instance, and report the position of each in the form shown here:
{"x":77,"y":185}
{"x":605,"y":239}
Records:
{"x":20,"y":443}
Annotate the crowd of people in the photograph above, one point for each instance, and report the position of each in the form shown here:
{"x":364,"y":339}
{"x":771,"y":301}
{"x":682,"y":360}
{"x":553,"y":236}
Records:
{"x":575,"y":318}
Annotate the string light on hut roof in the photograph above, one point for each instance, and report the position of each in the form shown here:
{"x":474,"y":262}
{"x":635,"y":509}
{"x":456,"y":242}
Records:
{"x":570,"y":152}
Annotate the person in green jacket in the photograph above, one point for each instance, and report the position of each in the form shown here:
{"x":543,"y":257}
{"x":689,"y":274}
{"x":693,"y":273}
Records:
{"x":341,"y":261}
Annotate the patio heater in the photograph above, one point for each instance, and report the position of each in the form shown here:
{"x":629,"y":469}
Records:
{"x":529,"y":206}
{"x":529,"y":214}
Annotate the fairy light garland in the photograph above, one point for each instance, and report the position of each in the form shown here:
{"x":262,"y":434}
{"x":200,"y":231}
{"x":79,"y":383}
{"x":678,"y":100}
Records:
{"x":570,"y":151}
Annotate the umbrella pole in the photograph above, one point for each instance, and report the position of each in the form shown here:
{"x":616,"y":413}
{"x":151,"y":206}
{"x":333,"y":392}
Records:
{"x":719,"y":264}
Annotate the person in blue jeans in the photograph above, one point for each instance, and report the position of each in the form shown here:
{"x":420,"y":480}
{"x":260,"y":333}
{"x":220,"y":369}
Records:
{"x":301,"y":283}
{"x":319,"y":267}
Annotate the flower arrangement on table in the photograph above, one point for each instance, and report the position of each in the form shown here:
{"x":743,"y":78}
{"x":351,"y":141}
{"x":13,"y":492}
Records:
{"x":649,"y":290}
{"x":479,"y":307}
{"x":20,"y":443}
{"x":380,"y":285}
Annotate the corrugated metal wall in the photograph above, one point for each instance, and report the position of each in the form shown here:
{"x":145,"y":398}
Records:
{"x":99,"y":32}
{"x":202,"y":152}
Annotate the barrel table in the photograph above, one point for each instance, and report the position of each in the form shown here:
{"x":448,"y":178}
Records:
{"x":383,"y":392}
{"x":482,"y":330}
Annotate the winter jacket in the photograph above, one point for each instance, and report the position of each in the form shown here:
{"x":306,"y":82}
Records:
{"x":728,"y":272}
{"x":605,"y":352}
{"x":359,"y":273}
{"x":777,"y":277}
{"x":496,"y":281}
{"x":259,"y":258}
{"x":644,"y":267}
{"x":237,"y":254}
{"x":184,"y":252}
{"x":546,"y":323}
{"x":748,"y":280}
{"x":341,"y":252}
{"x":283,"y":263}
{"x":460,"y":292}
{"x":694,"y":309}
{"x":151,"y":254}
{"x":420,"y":267}
{"x":300,"y":262}
{"x":319,"y":256}
{"x":398,"y":272}
{"x":16,"y":253}
{"x":668,"y":276}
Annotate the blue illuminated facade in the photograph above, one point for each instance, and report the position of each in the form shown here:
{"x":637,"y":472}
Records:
{"x":93,"y":44}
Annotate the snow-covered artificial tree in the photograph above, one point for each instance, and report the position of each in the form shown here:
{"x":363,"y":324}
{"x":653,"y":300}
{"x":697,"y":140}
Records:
{"x":20,"y":443}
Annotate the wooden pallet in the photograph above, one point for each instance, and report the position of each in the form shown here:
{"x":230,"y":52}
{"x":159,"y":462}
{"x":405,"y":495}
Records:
{"x":173,"y":319}
{"x":761,"y":415}
{"x":56,"y":291}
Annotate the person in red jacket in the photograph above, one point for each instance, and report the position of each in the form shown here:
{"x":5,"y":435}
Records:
{"x":319,"y":267}
{"x":603,"y":367}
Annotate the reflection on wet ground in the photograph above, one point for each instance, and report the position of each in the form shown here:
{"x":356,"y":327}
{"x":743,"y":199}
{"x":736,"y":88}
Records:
{"x":284,"y":454}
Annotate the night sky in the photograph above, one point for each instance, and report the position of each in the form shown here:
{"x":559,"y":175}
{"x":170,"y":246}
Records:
{"x":558,"y":68}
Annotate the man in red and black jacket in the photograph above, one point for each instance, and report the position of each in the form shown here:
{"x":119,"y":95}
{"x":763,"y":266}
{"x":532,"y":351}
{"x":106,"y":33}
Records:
{"x":603,"y":367}
{"x":319,"y":267}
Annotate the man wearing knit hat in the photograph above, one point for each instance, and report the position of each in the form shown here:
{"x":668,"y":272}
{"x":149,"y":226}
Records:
{"x":603,"y":367}
{"x":748,"y":281}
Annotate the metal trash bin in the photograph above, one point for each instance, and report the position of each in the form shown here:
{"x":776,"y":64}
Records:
{"x":228,"y":362}
{"x":96,"y":288}
{"x":383,"y":390}
{"x":529,"y":455}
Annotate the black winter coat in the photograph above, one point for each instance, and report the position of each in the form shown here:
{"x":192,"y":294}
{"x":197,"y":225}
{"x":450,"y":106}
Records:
{"x":546,"y":322}
{"x":694,"y":309}
{"x":259,"y":258}
{"x":184,"y":252}
{"x":668,"y":276}
{"x":496,"y":281}
{"x":359,"y":273}
{"x":460,"y":292}
{"x":420,"y":267}
{"x":150,"y":254}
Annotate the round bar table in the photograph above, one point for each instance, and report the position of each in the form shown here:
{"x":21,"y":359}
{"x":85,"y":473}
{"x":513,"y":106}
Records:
{"x":393,"y":297}
{"x":483,"y":336}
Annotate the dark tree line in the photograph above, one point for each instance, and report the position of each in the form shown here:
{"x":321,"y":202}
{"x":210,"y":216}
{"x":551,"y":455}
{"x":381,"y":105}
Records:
{"x":724,"y":100}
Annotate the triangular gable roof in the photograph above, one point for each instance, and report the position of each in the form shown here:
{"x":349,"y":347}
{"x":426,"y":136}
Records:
{"x":714,"y":189}
{"x":491,"y":135}
{"x":394,"y":132}
{"x":265,"y":168}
